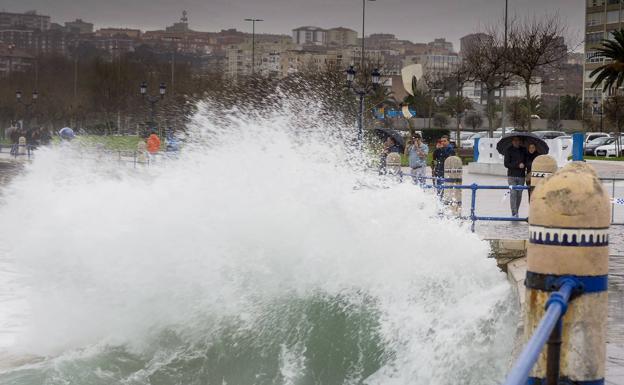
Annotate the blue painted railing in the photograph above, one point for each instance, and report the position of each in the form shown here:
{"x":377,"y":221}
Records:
{"x":14,"y":150}
{"x":549,"y":327}
{"x":473,"y":196}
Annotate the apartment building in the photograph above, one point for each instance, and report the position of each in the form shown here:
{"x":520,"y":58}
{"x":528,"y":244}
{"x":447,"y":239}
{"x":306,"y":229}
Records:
{"x":27,"y":20}
{"x":602,"y":17}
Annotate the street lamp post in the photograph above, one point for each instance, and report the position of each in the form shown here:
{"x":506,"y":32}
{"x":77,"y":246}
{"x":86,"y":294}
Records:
{"x":363,"y":30}
{"x":504,"y":111}
{"x":598,"y":111}
{"x":253,"y":43}
{"x":27,"y":106}
{"x":153,"y":100}
{"x":361,"y":91}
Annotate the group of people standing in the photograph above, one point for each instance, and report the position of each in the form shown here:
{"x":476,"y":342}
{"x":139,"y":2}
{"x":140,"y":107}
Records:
{"x":518,"y":161}
{"x":417,"y":152}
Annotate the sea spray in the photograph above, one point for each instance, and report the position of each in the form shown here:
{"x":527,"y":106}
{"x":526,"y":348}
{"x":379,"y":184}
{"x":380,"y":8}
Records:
{"x":268,"y":252}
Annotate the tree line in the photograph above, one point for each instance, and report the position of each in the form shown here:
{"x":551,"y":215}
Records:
{"x":97,"y":94}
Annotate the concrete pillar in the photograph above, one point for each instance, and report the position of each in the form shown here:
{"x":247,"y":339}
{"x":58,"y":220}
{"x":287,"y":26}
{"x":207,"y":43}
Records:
{"x":568,"y":236}
{"x":453,"y":168}
{"x":21,"y":148}
{"x":543,"y":167}
{"x":141,"y":152}
{"x":393,"y":163}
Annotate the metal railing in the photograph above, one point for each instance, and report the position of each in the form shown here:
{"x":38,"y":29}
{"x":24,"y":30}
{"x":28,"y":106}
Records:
{"x":548,"y":332}
{"x":473,"y":196}
{"x":614,"y":198}
{"x":18,"y":150}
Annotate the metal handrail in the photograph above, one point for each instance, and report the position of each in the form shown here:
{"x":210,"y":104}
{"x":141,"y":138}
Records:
{"x":473,"y":201}
{"x":556,"y":307}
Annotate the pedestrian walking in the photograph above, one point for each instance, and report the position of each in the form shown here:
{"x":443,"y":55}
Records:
{"x":417,"y":153}
{"x":515,"y":162}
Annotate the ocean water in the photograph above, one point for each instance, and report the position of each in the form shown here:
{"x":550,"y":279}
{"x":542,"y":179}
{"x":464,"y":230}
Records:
{"x":267,"y":252}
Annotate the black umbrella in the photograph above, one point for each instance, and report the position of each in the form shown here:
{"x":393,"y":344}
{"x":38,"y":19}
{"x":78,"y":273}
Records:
{"x":526,"y":138}
{"x":384,"y":133}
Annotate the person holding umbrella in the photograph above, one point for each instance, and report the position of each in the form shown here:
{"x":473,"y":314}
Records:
{"x":516,"y":161}
{"x":531,"y":155}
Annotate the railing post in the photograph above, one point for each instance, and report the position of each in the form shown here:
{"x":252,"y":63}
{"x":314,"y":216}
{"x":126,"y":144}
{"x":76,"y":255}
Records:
{"x":393,"y":163}
{"x":452,"y":197}
{"x":21,"y":146}
{"x":568,"y":237}
{"x":553,"y":355}
{"x":473,"y":205}
{"x":543,"y":167}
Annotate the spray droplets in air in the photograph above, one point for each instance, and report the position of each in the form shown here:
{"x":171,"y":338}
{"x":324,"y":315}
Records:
{"x":267,"y":238}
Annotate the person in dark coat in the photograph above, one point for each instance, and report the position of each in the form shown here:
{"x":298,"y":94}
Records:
{"x":515,"y":162}
{"x":440,"y":155}
{"x":530,"y":157}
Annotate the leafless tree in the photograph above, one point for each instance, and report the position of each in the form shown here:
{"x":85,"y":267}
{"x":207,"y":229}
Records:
{"x":535,"y":43}
{"x":485,"y":63}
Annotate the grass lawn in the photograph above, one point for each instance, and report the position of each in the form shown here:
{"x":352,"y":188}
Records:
{"x":112,"y":142}
{"x":116,"y":143}
{"x":620,"y":159}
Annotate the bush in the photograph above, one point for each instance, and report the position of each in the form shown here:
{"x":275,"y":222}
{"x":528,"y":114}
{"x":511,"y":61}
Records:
{"x":431,"y":135}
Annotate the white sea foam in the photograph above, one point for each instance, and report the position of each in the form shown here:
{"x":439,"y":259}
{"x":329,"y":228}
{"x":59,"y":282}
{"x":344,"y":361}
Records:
{"x":255,"y":211}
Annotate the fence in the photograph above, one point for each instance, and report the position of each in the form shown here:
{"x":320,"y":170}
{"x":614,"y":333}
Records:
{"x":136,"y":158}
{"x":18,"y":150}
{"x":617,"y":198}
{"x":473,"y":196}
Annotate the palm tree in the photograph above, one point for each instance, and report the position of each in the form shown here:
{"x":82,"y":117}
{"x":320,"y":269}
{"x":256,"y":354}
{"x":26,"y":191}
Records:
{"x":382,"y":97}
{"x":571,"y":106}
{"x":611,"y":73}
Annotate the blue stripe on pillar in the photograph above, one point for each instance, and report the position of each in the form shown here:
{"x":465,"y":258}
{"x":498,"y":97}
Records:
{"x":563,"y":380}
{"x":548,"y":282}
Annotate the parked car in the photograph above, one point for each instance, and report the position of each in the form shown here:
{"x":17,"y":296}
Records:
{"x":591,"y":147}
{"x":611,"y":149}
{"x":549,"y":134}
{"x":468,"y":142}
{"x":562,"y":137}
{"x":594,"y":135}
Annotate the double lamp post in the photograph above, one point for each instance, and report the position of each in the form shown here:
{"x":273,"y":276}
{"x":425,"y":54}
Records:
{"x":27,"y":106}
{"x":153,"y":100}
{"x":362,"y":90}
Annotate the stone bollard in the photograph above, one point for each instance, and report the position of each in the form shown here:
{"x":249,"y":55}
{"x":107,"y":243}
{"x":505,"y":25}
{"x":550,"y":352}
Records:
{"x":543,"y":167}
{"x":393,"y":163}
{"x":22,"y":149}
{"x":453,"y":177}
{"x":568,"y":236}
{"x":141,"y":156}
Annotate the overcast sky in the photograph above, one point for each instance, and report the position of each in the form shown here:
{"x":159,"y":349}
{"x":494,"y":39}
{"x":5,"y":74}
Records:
{"x":416,"y":20}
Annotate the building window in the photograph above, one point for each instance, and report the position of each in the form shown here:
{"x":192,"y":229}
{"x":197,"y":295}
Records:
{"x":595,"y":3}
{"x":594,"y":19}
{"x":613,"y":17}
{"x":594,"y":38}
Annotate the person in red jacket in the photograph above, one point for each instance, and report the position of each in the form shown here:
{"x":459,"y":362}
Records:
{"x":153,"y":143}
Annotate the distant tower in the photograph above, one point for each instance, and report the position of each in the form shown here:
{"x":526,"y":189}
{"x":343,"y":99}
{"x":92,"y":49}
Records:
{"x":181,"y":26}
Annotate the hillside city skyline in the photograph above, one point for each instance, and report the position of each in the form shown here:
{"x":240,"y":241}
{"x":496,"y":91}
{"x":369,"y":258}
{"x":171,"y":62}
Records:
{"x":414,"y":22}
